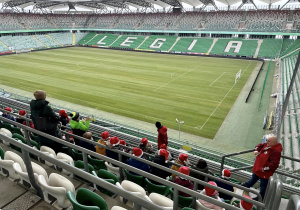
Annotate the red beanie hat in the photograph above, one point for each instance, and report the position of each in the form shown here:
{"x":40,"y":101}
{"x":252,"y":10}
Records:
{"x":209,"y":191}
{"x":64,"y":114}
{"x":164,"y":153}
{"x":8,"y":109}
{"x":105,"y":135}
{"x":137,"y":152}
{"x":114,"y":141}
{"x":22,"y":112}
{"x":144,"y":141}
{"x":163,"y":146}
{"x":245,"y":205}
{"x":123,"y":142}
{"x":226,"y":173}
{"x":185,"y":170}
{"x":183,"y":157}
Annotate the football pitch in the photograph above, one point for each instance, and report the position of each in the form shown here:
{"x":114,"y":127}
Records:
{"x":145,"y":86}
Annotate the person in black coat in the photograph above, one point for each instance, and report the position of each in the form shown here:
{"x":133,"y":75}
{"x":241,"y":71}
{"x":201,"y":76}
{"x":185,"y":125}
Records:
{"x":201,"y":166}
{"x":160,"y":158}
{"x":41,"y":110}
{"x":225,"y":175}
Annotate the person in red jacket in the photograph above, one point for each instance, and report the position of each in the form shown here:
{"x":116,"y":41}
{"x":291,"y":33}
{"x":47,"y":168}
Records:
{"x":267,"y":161}
{"x":162,"y":137}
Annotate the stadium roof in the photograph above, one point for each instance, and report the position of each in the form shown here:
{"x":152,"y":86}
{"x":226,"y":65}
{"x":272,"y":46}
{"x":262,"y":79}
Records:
{"x":116,"y":4}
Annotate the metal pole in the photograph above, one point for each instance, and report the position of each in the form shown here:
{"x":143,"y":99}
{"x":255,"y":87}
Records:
{"x":85,"y":162}
{"x":175,"y":199}
{"x":194,"y":198}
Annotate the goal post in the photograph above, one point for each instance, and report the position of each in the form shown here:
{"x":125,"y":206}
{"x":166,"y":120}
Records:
{"x":238,"y":75}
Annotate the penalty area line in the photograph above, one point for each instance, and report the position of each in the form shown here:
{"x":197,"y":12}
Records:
{"x":217,"y":79}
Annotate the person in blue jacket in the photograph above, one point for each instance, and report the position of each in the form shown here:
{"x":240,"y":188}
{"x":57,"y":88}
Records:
{"x":137,"y":152}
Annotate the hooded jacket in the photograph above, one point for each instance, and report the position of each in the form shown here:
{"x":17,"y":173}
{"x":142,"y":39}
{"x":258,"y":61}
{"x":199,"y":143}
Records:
{"x":199,"y":176}
{"x":162,"y":137}
{"x":160,"y":160}
{"x":185,"y":183}
{"x":138,"y":164}
{"x":267,"y":160}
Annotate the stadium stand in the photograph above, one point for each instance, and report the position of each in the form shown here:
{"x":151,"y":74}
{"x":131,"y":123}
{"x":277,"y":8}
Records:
{"x":9,"y":22}
{"x":156,"y":42}
{"x":132,"y":43}
{"x":104,"y":21}
{"x":270,"y":48}
{"x":151,"y":21}
{"x":46,"y":40}
{"x":80,"y":21}
{"x":63,"y":38}
{"x":34,"y":21}
{"x":170,"y":21}
{"x":192,"y":21}
{"x":201,"y":46}
{"x":107,"y":39}
{"x":129,"y":21}
{"x":295,"y":45}
{"x":87,"y":38}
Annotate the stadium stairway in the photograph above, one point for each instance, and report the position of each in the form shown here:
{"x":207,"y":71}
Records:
{"x":178,"y":38}
{"x":212,"y":46}
{"x":87,"y":38}
{"x":39,"y":41}
{"x":258,"y":47}
{"x":54,"y":40}
{"x":3,"y":44}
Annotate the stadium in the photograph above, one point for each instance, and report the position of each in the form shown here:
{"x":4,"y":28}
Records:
{"x":221,"y":77}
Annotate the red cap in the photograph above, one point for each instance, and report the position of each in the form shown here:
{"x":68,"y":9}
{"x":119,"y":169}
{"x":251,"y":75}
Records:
{"x":144,"y":141}
{"x":245,"y":205}
{"x":163,"y":146}
{"x":137,"y":152}
{"x":183,"y":157}
{"x":123,"y":142}
{"x":114,"y":141}
{"x":105,"y":135}
{"x":185,"y":170}
{"x":22,"y":112}
{"x":63,"y":114}
{"x":226,"y":173}
{"x":8,"y":109}
{"x":164,"y":153}
{"x":209,"y":191}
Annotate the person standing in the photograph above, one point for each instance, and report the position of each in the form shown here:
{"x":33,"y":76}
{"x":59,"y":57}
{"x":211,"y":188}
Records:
{"x":45,"y":120}
{"x":267,"y":161}
{"x":162,"y":137}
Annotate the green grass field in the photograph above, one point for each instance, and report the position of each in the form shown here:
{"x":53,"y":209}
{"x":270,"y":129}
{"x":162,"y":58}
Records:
{"x":150,"y":87}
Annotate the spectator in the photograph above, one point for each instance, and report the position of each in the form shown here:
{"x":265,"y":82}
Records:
{"x":22,"y":121}
{"x":245,"y":205}
{"x":124,"y":158}
{"x":45,"y":120}
{"x":163,"y":146}
{"x":182,"y":160}
{"x":64,"y":118}
{"x":267,"y":161}
{"x":201,"y":167}
{"x":87,"y":145}
{"x":183,"y":181}
{"x":211,"y":193}
{"x":226,"y":174}
{"x":162,"y":137}
{"x":113,"y":143}
{"x":160,"y":159}
{"x":7,"y":115}
{"x":101,"y":150}
{"x":137,"y":152}
{"x":79,"y":127}
{"x":146,"y":147}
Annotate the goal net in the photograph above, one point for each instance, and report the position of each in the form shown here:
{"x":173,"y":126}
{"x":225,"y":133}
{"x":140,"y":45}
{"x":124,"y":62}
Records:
{"x":23,"y":51}
{"x":238,"y":75}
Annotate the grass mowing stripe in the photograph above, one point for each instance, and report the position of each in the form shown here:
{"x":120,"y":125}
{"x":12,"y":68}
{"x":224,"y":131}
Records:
{"x":124,"y":82}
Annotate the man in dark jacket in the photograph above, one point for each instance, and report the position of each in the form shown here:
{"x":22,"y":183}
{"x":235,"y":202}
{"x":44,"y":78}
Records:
{"x":162,"y":137}
{"x":226,"y":174}
{"x":40,"y":109}
{"x":136,"y":163}
{"x":267,"y":161}
{"x":160,"y":159}
{"x":201,"y":166}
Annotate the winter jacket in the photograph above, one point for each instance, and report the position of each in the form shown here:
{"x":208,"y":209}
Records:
{"x":162,"y":137}
{"x":64,"y":121}
{"x":138,"y":164}
{"x":267,"y":160}
{"x":176,"y":168}
{"x":199,"y":176}
{"x":101,"y":150}
{"x":210,"y":205}
{"x":226,"y":187}
{"x":160,"y":160}
{"x":79,"y":128}
{"x":10,"y":117}
{"x":185,"y":183}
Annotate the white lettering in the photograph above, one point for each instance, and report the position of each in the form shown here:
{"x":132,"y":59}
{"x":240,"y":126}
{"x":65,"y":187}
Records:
{"x":192,"y":44}
{"x":159,"y":43}
{"x":236,"y":45}
{"x":128,"y":41}
{"x":100,"y":42}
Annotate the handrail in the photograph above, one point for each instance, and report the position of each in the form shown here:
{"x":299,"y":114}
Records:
{"x":145,"y":174}
{"x":294,"y":203}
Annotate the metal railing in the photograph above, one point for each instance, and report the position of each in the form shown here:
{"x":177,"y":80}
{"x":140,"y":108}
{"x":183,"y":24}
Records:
{"x":294,"y":203}
{"x":86,"y":152}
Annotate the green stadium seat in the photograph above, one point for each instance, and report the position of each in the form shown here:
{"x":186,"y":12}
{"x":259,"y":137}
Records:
{"x":160,"y":189}
{"x":134,"y":178}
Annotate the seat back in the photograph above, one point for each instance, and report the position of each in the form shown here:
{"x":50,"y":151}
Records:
{"x":97,"y":164}
{"x":160,"y":189}
{"x":112,"y":169}
{"x":134,"y":178}
{"x":133,"y":187}
{"x":161,"y":200}
{"x":18,"y":136}
{"x":107,"y":175}
{"x":49,"y":151}
{"x":1,"y":153}
{"x":199,"y":206}
{"x":89,"y":198}
{"x":63,"y":156}
{"x":14,"y":157}
{"x":77,"y":155}
{"x":80,"y":164}
{"x":78,"y":206}
{"x":17,"y":131}
{"x":7,"y":133}
{"x":182,"y":201}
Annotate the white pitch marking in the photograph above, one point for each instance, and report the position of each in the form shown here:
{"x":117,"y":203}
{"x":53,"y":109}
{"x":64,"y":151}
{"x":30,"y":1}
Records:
{"x":220,"y":102}
{"x":217,"y":79}
{"x":172,"y":75}
{"x":176,"y":78}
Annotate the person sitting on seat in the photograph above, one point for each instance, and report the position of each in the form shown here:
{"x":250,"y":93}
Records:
{"x":245,"y":205}
{"x":211,"y":193}
{"x":182,"y":160}
{"x":22,"y":121}
{"x":79,"y":127}
{"x":87,"y":145}
{"x":124,"y":158}
{"x":112,"y":143}
{"x":104,"y":137}
{"x":146,"y":147}
{"x":201,"y":166}
{"x":225,"y":175}
{"x":7,"y":115}
{"x":63,"y":118}
{"x":137,"y":152}
{"x":163,"y":146}
{"x":183,"y":181}
{"x":160,"y":158}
